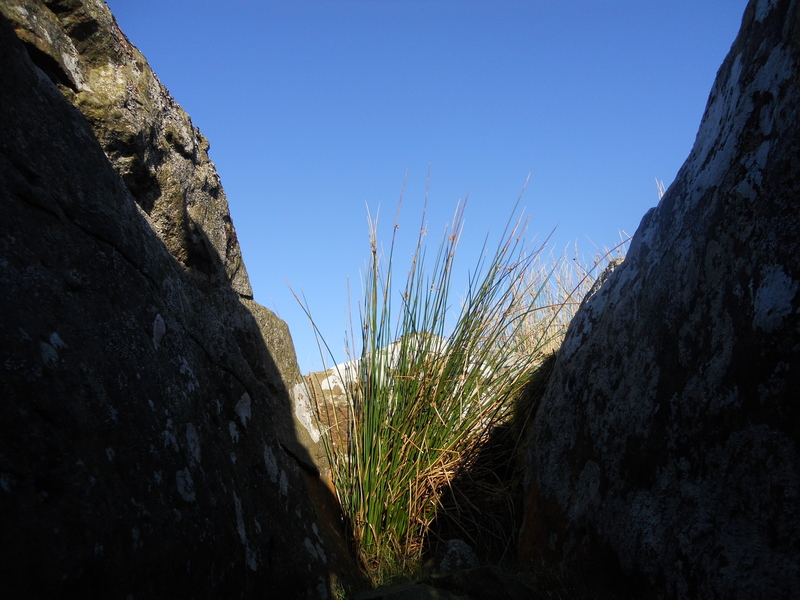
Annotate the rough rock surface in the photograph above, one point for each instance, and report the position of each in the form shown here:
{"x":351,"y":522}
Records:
{"x":666,"y":447}
{"x":160,"y":155}
{"x":147,"y":445}
{"x":327,"y":409}
{"x":150,"y":140}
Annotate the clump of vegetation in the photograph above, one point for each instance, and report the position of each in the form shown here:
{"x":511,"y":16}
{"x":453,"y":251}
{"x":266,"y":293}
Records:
{"x":432,"y":382}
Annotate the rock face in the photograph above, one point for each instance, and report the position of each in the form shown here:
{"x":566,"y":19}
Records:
{"x":147,"y":441}
{"x":150,"y":140}
{"x":666,"y":446}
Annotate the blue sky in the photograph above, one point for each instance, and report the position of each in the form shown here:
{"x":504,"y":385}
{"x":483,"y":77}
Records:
{"x":317,"y":108}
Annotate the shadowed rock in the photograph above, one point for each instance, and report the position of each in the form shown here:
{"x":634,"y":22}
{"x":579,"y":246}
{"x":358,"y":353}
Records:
{"x":150,"y":140}
{"x":666,"y":447}
{"x":147,"y":441}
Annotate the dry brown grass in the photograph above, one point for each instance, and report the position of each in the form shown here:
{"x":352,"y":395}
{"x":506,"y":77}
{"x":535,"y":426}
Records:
{"x":427,"y":399}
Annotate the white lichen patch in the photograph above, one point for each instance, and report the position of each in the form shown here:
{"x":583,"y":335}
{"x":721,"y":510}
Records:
{"x":755,"y":163}
{"x":185,"y":485}
{"x":763,"y":8}
{"x":185,"y":369}
{"x":169,"y":437}
{"x":773,"y":300}
{"x":271,"y":463}
{"x":249,"y":554}
{"x":243,"y":409}
{"x":233,"y":431}
{"x":284,"y":484}
{"x":250,"y":558}
{"x":159,"y":329}
{"x":56,"y":342}
{"x":778,"y":68}
{"x":239,"y":518}
{"x":332,"y":383}
{"x":718,"y":130}
{"x":303,"y":411}
{"x":48,"y":353}
{"x":193,"y":441}
{"x":315,"y":550}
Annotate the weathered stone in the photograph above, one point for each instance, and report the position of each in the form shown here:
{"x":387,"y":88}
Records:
{"x":666,"y":447}
{"x":158,"y":153}
{"x":161,"y":157}
{"x":147,"y":445}
{"x":150,"y":140}
{"x":329,"y":406}
{"x":454,"y":555}
{"x":601,"y":279}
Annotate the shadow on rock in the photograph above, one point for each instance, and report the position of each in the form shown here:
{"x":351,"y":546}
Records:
{"x":148,"y":446}
{"x":483,"y":504}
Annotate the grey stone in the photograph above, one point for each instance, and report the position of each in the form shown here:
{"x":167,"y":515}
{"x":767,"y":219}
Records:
{"x":455,"y":555}
{"x":152,"y":143}
{"x":601,"y":279}
{"x":160,"y":156}
{"x":665,"y":451}
{"x":128,"y":345}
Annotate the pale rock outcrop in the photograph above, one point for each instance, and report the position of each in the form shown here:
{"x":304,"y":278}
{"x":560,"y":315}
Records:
{"x":322,"y":402}
{"x":665,"y":450}
{"x":147,"y":439}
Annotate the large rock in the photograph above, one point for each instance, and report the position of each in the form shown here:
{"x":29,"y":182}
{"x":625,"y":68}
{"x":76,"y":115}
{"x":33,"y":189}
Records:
{"x":150,"y":140}
{"x":159,"y":154}
{"x":147,"y":441}
{"x":666,"y":447}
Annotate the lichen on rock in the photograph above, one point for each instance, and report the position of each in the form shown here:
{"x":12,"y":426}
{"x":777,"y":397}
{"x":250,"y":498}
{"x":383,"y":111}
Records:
{"x":160,"y":155}
{"x":147,"y":441}
{"x":665,"y":451}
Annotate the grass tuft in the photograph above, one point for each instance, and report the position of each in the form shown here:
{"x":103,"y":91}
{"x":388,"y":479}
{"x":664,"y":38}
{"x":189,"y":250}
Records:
{"x":432,"y":383}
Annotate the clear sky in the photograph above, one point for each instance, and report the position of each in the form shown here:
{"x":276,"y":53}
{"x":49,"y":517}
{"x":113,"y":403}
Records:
{"x":317,"y":108}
